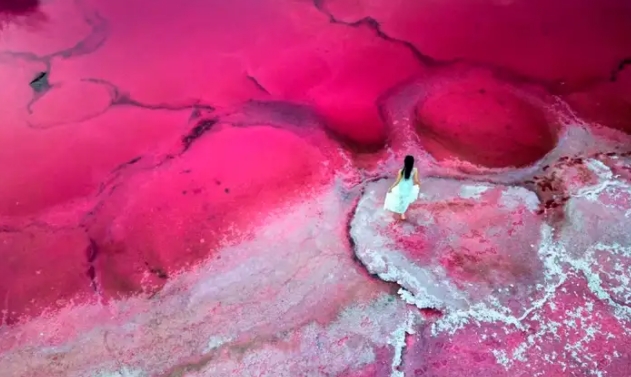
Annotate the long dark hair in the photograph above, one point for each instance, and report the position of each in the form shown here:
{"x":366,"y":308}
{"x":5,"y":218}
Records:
{"x":408,"y":165}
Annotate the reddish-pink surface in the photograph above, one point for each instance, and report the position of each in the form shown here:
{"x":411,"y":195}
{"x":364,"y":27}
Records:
{"x":194,"y":188}
{"x":466,"y":111}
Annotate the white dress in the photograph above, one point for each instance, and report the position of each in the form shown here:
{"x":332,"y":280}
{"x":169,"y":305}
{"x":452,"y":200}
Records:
{"x":402,"y":195}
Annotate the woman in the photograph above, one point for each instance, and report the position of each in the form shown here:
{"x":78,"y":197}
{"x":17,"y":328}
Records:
{"x":405,"y":189}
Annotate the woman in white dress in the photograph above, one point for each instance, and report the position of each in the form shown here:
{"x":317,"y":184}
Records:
{"x":405,"y":189}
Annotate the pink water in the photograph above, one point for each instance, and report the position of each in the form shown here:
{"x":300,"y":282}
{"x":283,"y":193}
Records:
{"x":194,"y":188}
